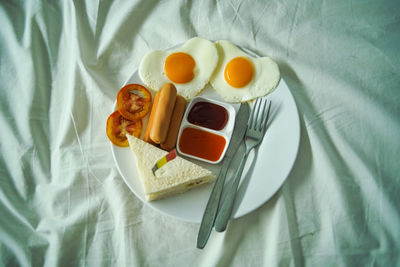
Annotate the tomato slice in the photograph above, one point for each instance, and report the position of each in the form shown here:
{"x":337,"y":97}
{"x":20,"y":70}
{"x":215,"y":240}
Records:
{"x":118,"y":127}
{"x":133,"y":101}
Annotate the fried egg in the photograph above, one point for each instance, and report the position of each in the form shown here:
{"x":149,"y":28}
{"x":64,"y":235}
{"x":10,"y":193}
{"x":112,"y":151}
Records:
{"x":189,"y":67}
{"x":240,"y":77}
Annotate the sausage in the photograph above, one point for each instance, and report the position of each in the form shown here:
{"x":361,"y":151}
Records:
{"x":176,"y":120}
{"x":163,"y":113}
{"x":146,"y":136}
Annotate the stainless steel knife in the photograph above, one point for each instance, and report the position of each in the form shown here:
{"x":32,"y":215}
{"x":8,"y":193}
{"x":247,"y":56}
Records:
{"x":210,"y":212}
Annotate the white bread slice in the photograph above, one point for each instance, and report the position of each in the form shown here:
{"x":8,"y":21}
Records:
{"x":176,"y":176}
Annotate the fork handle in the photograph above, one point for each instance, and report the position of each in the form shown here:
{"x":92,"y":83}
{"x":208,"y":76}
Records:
{"x":207,"y":222}
{"x":225,"y":211}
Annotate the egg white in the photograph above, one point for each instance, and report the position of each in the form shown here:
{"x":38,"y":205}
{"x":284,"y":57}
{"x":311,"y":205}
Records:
{"x":265,"y":78}
{"x":204,"y":53}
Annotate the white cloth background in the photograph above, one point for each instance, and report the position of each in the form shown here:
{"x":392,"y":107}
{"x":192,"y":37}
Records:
{"x":62,"y":200}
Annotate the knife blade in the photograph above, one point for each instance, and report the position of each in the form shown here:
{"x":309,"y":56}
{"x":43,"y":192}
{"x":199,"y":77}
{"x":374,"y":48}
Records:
{"x":210,"y":212}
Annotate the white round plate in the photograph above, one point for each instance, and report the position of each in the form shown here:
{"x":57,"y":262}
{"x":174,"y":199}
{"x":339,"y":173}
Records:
{"x":266,"y":169}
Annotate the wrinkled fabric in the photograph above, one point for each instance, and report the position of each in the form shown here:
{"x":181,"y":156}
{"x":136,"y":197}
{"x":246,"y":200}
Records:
{"x":62,"y":200}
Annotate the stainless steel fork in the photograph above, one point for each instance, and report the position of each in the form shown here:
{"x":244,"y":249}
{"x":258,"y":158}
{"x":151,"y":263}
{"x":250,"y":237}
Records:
{"x":254,"y":135}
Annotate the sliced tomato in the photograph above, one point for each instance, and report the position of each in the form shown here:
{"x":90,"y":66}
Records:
{"x":133,"y":101}
{"x":118,"y":127}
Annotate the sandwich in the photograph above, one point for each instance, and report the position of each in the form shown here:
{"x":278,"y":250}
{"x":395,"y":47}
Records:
{"x":176,"y":176}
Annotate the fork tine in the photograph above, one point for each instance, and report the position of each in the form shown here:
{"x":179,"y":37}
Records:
{"x":260,"y":121}
{"x":257,"y":111}
{"x":251,"y":119}
{"x":265,"y":120}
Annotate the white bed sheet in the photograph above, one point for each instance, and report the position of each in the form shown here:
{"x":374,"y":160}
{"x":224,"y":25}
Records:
{"x":62,"y":200}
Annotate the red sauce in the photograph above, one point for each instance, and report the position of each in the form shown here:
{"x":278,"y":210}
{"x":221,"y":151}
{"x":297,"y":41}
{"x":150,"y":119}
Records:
{"x":208,"y":115}
{"x":201,"y":144}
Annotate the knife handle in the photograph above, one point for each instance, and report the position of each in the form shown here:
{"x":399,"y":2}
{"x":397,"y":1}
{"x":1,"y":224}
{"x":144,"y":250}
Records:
{"x":210,"y":212}
{"x":227,"y":205}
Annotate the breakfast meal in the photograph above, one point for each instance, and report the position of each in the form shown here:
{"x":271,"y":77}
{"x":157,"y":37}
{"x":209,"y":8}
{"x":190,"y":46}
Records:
{"x":171,"y":78}
{"x":189,"y":67}
{"x":176,"y":176}
{"x":240,"y":77}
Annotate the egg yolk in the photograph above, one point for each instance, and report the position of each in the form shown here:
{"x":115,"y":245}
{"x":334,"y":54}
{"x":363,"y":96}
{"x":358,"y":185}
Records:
{"x":239,"y":72}
{"x":179,"y":67}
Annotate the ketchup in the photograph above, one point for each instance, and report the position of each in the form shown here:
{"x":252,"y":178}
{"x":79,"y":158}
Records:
{"x":208,"y":115}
